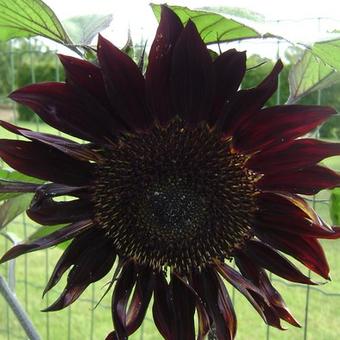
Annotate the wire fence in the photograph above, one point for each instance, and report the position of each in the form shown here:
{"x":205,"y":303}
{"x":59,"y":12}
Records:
{"x":316,"y":307}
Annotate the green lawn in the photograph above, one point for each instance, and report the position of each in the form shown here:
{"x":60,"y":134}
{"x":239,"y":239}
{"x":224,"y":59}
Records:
{"x":80,"y":321}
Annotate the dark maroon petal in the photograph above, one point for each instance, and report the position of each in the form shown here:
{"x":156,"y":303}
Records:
{"x":120,"y":298}
{"x":163,"y":309}
{"x":50,"y":212}
{"x":50,"y":240}
{"x":42,"y":161}
{"x":307,"y":250}
{"x":268,"y":258}
{"x":112,"y":336}
{"x":203,"y":321}
{"x":277,"y":309}
{"x":69,"y":110}
{"x":157,"y":77}
{"x":215,"y":297}
{"x":85,"y":75}
{"x":243,"y":285}
{"x":50,"y":190}
{"x":13,"y":186}
{"x":78,"y":246}
{"x":229,"y":69}
{"x":192,"y":77}
{"x":335,"y":235}
{"x":278,"y":124}
{"x":140,"y":299}
{"x":203,"y":317}
{"x":246,"y":103}
{"x":76,"y":150}
{"x":289,"y":214}
{"x":308,"y":181}
{"x":298,"y":154}
{"x":184,"y":307}
{"x":124,"y":85}
{"x":92,"y":265}
{"x":67,"y":297}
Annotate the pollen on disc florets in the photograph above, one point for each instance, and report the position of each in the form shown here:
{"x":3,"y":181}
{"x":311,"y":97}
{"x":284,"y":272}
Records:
{"x":174,"y":196}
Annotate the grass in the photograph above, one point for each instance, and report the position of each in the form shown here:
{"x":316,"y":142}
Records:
{"x":82,"y":322}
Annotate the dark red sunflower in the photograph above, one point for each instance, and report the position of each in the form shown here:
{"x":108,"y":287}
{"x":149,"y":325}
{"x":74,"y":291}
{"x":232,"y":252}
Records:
{"x":181,"y":174}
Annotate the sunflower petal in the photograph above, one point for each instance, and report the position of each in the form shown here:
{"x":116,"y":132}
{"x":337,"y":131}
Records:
{"x":50,"y":190}
{"x":157,"y":77}
{"x":243,"y":285}
{"x":86,"y":76}
{"x":69,"y":110}
{"x":50,"y":212}
{"x":92,"y":265}
{"x":78,"y":246}
{"x":203,"y":317}
{"x":113,"y":336}
{"x":277,"y":309}
{"x":184,"y":307}
{"x":334,"y":236}
{"x":299,"y":217}
{"x":120,"y":297}
{"x":308,"y":181}
{"x":246,"y":103}
{"x":192,"y":75}
{"x":266,"y":257}
{"x":261,"y":131}
{"x":229,"y":68}
{"x":50,"y":240}
{"x":298,"y":154}
{"x":307,"y":250}
{"x":214,"y":295}
{"x":14,"y":186}
{"x":124,"y":85}
{"x":67,"y":297}
{"x":140,"y":299}
{"x":163,"y":309}
{"x":76,"y":150}
{"x":42,"y":161}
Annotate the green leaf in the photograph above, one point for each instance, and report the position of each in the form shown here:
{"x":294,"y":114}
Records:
{"x":334,"y":207}
{"x":18,"y":176}
{"x":213,"y":27}
{"x":82,"y":29}
{"x":309,"y":74}
{"x":328,"y":52}
{"x":46,"y":230}
{"x":13,"y":207}
{"x":27,"y":18}
{"x":243,"y":13}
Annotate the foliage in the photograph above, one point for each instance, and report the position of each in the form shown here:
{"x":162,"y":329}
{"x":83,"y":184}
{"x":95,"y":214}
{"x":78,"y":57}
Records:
{"x":27,"y":18}
{"x":213,"y":27}
{"x":335,"y":206}
{"x":15,"y":203}
{"x":236,"y":12}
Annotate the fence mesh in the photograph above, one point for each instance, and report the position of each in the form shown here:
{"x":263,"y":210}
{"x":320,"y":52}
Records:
{"x":316,"y":307}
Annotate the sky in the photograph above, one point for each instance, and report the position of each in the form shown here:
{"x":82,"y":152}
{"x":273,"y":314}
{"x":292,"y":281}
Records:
{"x":138,"y":15}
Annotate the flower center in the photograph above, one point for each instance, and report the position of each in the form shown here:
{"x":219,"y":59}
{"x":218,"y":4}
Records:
{"x":172,"y":210}
{"x":176,"y":196}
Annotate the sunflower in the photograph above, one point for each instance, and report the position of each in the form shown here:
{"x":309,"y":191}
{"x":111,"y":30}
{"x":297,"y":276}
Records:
{"x":181,"y":173}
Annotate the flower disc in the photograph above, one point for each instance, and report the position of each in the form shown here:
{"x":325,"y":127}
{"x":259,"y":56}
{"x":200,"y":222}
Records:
{"x":175,"y":196}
